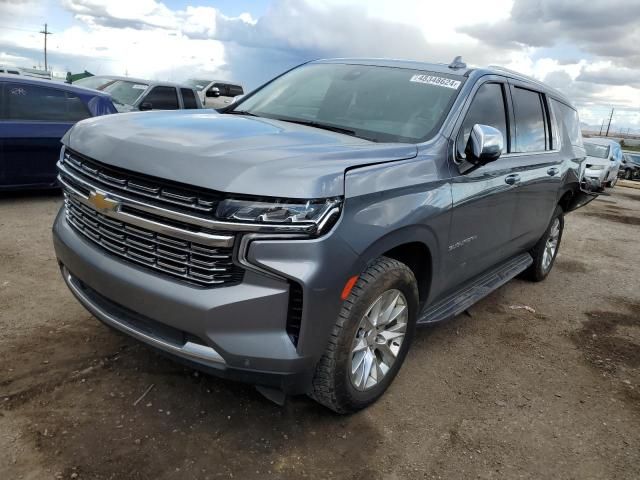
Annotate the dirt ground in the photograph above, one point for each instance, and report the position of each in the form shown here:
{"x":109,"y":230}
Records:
{"x":500,"y":393}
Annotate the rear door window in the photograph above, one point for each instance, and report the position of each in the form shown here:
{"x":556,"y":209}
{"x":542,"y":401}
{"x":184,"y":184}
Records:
{"x":162,"y":98}
{"x":31,"y":102}
{"x":487,"y":108}
{"x":531,"y":133}
{"x":188,"y":98}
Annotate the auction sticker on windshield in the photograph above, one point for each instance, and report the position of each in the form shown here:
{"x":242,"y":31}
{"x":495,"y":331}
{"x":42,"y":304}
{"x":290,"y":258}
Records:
{"x":139,"y":87}
{"x":438,"y":81}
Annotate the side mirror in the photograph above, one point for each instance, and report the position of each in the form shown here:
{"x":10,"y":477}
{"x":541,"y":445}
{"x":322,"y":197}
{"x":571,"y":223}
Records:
{"x":213,"y":92}
{"x":485,"y":145}
{"x":145,"y":106}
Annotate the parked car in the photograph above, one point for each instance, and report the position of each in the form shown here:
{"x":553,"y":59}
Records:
{"x":130,"y":94}
{"x":630,"y":167}
{"x":295,"y":240}
{"x":34,"y":115}
{"x":604,"y":158}
{"x":10,"y":70}
{"x":216,"y":93}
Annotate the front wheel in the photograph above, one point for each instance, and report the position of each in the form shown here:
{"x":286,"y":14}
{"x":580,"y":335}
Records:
{"x":612,"y":182}
{"x":545,"y":252}
{"x":370,"y":338}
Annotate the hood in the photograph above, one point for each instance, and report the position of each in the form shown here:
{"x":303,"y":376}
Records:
{"x":230,"y":153}
{"x":597,"y":161}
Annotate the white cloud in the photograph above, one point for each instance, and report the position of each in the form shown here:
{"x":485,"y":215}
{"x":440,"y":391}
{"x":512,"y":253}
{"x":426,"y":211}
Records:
{"x":147,"y":38}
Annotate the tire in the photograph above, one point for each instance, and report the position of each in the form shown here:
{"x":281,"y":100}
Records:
{"x":334,"y":385}
{"x":628,"y":175}
{"x":612,"y":183}
{"x":542,"y":265}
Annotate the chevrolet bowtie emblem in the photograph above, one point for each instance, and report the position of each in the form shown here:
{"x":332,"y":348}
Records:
{"x":101,"y":202}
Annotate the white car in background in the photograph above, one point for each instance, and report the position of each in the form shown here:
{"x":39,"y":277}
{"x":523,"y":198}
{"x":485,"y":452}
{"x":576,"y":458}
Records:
{"x":130,"y":94}
{"x":604,"y":157}
{"x":216,"y":93}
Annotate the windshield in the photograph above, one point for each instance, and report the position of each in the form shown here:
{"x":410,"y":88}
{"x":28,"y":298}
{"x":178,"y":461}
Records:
{"x":199,"y":85}
{"x":382,"y":104}
{"x":599,"y":151}
{"x":93,"y":82}
{"x":125,"y":92}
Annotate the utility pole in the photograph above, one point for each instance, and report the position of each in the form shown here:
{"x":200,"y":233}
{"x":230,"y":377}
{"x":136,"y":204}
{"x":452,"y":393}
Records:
{"x":610,"y":117}
{"x":601,"y":127}
{"x":45,"y":32}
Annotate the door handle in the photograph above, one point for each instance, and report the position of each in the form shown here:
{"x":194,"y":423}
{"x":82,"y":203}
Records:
{"x":512,"y":179}
{"x":553,"y":171}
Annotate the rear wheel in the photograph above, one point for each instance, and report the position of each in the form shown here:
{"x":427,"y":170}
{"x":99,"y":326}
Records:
{"x":370,"y":338}
{"x":545,"y":252}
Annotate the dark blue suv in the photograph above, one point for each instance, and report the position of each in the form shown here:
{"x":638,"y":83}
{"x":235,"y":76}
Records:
{"x":34,"y":115}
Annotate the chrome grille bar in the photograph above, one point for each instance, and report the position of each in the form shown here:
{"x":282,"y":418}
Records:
{"x":198,"y":263}
{"x":151,"y":188}
{"x":75,"y":188}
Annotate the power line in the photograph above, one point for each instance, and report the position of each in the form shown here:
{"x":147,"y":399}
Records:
{"x":6,"y":27}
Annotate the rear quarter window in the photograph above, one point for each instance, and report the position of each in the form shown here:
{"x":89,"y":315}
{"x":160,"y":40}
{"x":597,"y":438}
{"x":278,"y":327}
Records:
{"x":235,"y":90}
{"x":568,"y":118}
{"x":31,"y":102}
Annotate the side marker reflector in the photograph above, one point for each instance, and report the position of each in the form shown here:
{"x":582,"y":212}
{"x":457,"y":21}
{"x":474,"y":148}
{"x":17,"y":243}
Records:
{"x":348,"y":286}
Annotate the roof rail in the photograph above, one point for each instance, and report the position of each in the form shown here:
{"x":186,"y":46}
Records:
{"x":498,"y":68}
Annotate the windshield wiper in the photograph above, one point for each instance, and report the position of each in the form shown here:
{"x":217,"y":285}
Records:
{"x":242,"y":112}
{"x":323,"y":126}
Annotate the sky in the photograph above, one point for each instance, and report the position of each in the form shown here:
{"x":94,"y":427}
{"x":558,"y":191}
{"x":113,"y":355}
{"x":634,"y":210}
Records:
{"x":587,"y":49}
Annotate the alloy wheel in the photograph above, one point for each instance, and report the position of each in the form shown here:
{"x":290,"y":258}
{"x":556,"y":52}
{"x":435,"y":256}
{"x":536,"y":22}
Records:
{"x":378,"y":339}
{"x":551,"y":245}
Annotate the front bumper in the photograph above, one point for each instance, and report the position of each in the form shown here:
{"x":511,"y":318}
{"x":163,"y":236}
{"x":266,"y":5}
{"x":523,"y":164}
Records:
{"x":598,"y":176}
{"x":236,"y":332}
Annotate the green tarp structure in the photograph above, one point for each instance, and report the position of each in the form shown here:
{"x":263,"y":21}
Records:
{"x":72,"y":77}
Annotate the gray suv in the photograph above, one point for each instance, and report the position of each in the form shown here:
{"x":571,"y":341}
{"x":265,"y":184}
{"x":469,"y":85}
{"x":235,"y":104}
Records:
{"x":295,"y":240}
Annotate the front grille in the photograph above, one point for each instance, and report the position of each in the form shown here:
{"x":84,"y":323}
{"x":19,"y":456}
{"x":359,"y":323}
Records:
{"x":190,"y":261}
{"x":165,"y":193}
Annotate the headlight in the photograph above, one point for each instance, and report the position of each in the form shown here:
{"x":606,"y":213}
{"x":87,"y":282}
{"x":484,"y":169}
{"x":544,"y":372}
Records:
{"x":281,"y":212}
{"x":595,"y":167}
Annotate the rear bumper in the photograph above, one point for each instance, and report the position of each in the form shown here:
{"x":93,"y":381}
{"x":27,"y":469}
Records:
{"x":236,"y":332}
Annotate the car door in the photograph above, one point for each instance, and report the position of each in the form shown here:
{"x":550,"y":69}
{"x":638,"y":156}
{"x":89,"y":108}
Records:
{"x":537,"y":162}
{"x":216,"y":95}
{"x":36,"y":118}
{"x":161,"y":98}
{"x":484,"y":201}
{"x":227,"y":92}
{"x":3,"y":132}
{"x":616,"y":161}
